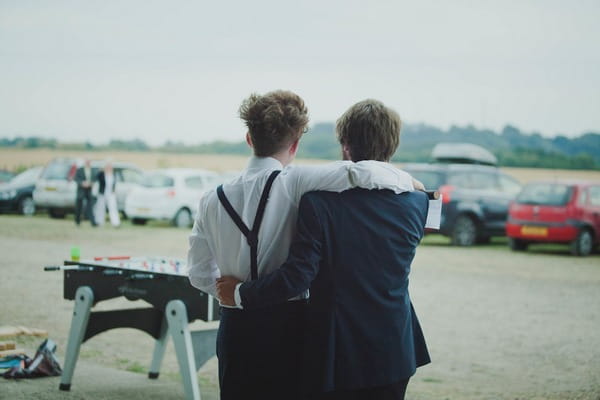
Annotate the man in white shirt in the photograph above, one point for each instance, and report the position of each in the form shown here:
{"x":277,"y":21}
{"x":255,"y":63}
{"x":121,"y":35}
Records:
{"x":107,"y":197}
{"x":258,"y":350}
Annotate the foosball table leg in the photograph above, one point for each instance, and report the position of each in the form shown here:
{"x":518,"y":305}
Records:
{"x":159,"y":350}
{"x":84,"y":300}
{"x":182,"y":340}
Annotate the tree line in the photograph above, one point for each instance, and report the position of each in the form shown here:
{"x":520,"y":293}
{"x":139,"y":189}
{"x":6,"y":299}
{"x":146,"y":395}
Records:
{"x":511,"y":146}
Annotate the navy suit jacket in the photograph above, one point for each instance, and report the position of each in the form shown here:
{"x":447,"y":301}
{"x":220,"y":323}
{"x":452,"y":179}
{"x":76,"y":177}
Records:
{"x":102,"y":182}
{"x":354,"y":250}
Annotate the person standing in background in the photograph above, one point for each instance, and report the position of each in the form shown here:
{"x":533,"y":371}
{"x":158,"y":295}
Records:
{"x":106,"y":197}
{"x":84,"y":180}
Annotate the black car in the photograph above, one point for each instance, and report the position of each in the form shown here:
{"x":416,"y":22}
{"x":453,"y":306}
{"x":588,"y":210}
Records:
{"x":16,"y":195}
{"x":475,"y":198}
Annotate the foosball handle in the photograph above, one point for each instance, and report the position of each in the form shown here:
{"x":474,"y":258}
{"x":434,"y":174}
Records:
{"x":52,"y":268}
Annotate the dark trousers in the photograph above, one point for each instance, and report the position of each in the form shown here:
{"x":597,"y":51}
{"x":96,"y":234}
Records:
{"x":395,"y":391}
{"x":259,"y":352}
{"x":84,"y":196}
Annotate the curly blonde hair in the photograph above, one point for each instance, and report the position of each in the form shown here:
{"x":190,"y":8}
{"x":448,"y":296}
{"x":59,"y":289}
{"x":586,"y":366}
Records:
{"x":274,"y":120}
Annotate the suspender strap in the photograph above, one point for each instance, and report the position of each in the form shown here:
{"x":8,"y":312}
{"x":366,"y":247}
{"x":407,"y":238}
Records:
{"x":251,"y":235}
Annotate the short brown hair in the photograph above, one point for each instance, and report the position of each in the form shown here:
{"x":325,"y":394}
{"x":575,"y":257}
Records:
{"x":274,"y":120}
{"x":370,"y":130}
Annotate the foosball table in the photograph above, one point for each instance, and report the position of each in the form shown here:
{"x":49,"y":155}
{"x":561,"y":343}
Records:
{"x":161,"y":282}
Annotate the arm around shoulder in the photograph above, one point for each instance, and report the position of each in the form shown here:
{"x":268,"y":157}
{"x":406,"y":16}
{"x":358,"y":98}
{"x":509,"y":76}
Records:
{"x":296,"y":274}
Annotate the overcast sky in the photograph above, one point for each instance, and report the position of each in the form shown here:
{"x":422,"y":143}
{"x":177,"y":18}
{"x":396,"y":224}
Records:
{"x":159,"y":70}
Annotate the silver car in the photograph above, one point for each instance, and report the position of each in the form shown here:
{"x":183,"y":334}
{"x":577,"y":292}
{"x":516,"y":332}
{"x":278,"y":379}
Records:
{"x":56,"y":189}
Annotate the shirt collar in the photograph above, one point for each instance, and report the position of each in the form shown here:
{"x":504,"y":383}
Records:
{"x":262,"y":163}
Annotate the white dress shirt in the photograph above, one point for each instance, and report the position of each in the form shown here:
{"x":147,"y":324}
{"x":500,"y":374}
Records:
{"x":108,"y":183}
{"x":217,"y":247}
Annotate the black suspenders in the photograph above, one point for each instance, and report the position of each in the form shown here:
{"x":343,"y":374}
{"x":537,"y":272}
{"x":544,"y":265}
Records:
{"x":251,"y":235}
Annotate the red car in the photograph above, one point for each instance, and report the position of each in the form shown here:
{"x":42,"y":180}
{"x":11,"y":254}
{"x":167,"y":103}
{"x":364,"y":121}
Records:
{"x":556,"y":212}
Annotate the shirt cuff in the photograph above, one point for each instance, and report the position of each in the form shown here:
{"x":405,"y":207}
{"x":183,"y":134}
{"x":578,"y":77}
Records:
{"x":237,"y":297}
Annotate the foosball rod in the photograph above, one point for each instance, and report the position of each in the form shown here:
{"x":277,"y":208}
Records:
{"x":68,"y":268}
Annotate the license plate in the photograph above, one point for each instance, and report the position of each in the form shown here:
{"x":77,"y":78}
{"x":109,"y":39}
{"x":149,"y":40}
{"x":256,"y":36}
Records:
{"x":50,"y":189}
{"x":143,"y":210}
{"x":534,"y":231}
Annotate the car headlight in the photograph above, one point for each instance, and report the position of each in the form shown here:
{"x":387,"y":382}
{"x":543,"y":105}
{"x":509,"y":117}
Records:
{"x":8,"y":194}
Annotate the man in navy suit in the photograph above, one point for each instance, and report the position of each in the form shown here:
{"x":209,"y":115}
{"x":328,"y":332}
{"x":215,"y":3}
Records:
{"x":354,"y":250}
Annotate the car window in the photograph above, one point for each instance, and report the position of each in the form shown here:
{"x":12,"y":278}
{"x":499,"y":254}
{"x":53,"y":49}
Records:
{"x":431,"y":179}
{"x":195,"y":182}
{"x":594,"y":192}
{"x":472,"y":180}
{"x":157,"y":181}
{"x":583,"y":197}
{"x":546,"y":194}
{"x":57,"y":170}
{"x":508,"y":184}
{"x":26,"y":177}
{"x":130,"y":175}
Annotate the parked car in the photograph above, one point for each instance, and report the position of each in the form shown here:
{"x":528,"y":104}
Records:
{"x":169,"y":194}
{"x":476,"y":194}
{"x":556,"y":212}
{"x":56,"y":189}
{"x":17,"y":194}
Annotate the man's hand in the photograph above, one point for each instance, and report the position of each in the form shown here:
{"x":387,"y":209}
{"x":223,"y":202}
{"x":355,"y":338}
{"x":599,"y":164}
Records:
{"x":418,"y":185}
{"x":225,"y":290}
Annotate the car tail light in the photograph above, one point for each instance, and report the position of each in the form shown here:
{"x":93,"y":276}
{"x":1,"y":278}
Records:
{"x":72,"y":171}
{"x":445,"y":191}
{"x":171,"y":193}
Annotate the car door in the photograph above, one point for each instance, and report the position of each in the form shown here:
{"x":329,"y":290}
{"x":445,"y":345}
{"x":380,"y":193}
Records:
{"x":127,"y":179}
{"x":494,"y":204}
{"x":593,"y":208}
{"x":508,"y":189}
{"x":194,"y":188}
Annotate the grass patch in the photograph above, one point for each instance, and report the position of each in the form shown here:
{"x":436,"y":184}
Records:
{"x":136,"y":367}
{"x":90,"y":353}
{"x":131,"y":366}
{"x":432,"y":380}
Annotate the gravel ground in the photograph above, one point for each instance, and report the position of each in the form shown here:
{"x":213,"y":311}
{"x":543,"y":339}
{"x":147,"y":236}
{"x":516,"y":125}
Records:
{"x":500,"y":325}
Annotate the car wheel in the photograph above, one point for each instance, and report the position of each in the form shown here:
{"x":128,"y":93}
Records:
{"x":183,"y":218}
{"x":57,"y":213}
{"x":27,"y":206}
{"x":139,"y":221}
{"x":464,"y":232}
{"x":583,"y":244}
{"x":517,"y":245}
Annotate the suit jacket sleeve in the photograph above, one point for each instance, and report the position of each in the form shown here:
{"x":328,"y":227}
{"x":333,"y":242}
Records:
{"x":296,"y":274}
{"x":79,"y":176}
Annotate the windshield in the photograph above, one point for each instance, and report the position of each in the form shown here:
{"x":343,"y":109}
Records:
{"x":57,"y":170}
{"x":431,"y":180}
{"x":157,"y":181}
{"x":26,"y":177}
{"x":545,"y":194}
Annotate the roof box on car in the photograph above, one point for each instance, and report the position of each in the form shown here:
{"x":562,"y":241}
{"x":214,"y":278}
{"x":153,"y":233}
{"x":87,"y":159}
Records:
{"x":464,"y":153}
